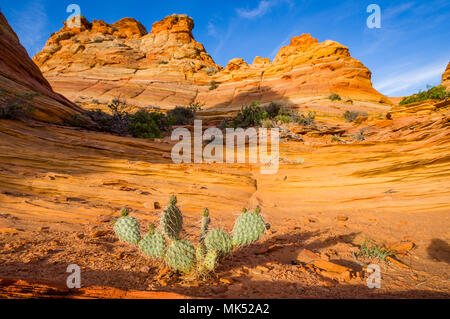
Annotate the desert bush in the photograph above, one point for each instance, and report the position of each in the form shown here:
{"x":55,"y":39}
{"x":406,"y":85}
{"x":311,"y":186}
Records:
{"x":350,"y":116}
{"x":166,"y":244}
{"x":359,"y":136}
{"x":307,"y":120}
{"x":213,"y":85}
{"x":255,"y":115}
{"x":334,"y":97}
{"x":435,"y":93}
{"x":248,"y":116}
{"x":184,"y":115}
{"x":16,"y":110}
{"x":370,"y":250}
{"x":142,"y":124}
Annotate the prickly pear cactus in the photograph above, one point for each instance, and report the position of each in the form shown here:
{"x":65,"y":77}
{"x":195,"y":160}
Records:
{"x":127,"y":228}
{"x":200,"y":252}
{"x":211,"y":260}
{"x":218,"y":239}
{"x":181,"y":255}
{"x":248,"y":228}
{"x":153,"y":244}
{"x":205,"y":224}
{"x":172,"y":220}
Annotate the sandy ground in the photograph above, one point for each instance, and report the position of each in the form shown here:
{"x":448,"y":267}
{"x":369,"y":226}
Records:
{"x":59,"y":187}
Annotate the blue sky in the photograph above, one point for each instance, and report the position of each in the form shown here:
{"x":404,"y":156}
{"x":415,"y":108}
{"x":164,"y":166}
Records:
{"x":409,"y":51}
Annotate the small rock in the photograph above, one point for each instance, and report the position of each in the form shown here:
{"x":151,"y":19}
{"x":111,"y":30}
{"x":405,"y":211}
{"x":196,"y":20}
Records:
{"x":99,"y":233}
{"x":44,"y":229}
{"x":402,"y":246}
{"x":307,"y":255}
{"x":163,"y":282}
{"x":104,"y":218}
{"x":126,"y":267}
{"x":225,"y":281}
{"x":9,"y":231}
{"x":269,"y":249}
{"x":79,"y":235}
{"x":342,"y":218}
{"x":120,"y":255}
{"x":262,"y":268}
{"x":157,"y":205}
{"x":306,"y":220}
{"x":219,"y":289}
{"x":329,"y":266}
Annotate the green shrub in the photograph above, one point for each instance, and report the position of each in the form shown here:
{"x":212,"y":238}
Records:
{"x":371,"y":250}
{"x":350,"y":116}
{"x":183,"y":115}
{"x":143,"y":125}
{"x":255,"y":115}
{"x":433,"y":93}
{"x":248,"y":116}
{"x":334,"y":97}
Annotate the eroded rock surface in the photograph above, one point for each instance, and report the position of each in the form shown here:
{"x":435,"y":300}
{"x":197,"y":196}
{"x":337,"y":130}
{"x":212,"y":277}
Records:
{"x":167,"y":67}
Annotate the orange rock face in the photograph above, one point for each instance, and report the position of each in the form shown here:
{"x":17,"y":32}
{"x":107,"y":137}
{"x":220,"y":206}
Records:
{"x":23,"y":85}
{"x":446,"y":77}
{"x":167,"y":67}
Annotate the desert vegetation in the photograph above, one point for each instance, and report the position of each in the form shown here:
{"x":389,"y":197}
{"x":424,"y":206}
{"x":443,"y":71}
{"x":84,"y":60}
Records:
{"x":335,"y":97}
{"x":255,"y":115}
{"x":145,"y":123}
{"x":166,"y":245}
{"x":438,"y":92}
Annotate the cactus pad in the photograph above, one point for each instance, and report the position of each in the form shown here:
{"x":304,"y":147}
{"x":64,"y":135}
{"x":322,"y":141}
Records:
{"x":218,"y":239}
{"x":172,"y":220}
{"x":249,"y":227}
{"x":127,"y":228}
{"x":153,"y":244}
{"x":181,"y":255}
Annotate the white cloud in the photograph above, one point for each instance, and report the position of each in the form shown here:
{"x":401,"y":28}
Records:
{"x":263,"y":7}
{"x":212,"y":29}
{"x":409,"y":80}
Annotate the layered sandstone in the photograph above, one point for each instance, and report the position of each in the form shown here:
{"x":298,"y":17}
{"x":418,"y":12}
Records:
{"x":23,"y":85}
{"x":446,"y":77}
{"x":167,"y":67}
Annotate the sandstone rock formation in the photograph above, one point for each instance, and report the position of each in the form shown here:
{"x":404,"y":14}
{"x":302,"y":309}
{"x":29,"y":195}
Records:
{"x":167,"y":67}
{"x":446,"y":77}
{"x":23,"y":85}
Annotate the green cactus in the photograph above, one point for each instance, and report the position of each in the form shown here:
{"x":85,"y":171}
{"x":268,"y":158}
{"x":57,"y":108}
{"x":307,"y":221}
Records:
{"x":205,"y":224}
{"x":181,"y":255}
{"x":153,"y":244}
{"x":218,"y":239}
{"x":127,"y":228}
{"x":210,"y":261}
{"x":200,"y":252}
{"x":248,"y":228}
{"x":172,"y":220}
